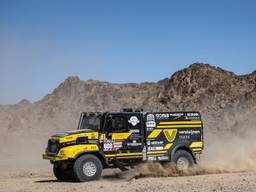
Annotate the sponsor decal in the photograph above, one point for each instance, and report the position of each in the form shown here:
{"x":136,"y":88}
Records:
{"x":176,"y":114}
{"x":193,"y":118}
{"x":134,"y":144}
{"x":193,"y":114}
{"x":151,"y":158}
{"x":165,"y":116}
{"x":163,"y":158}
{"x":155,"y":148}
{"x":135,"y":136}
{"x":150,"y":121}
{"x":150,"y":128}
{"x":184,"y":137}
{"x":134,"y":120}
{"x":135,"y":130}
{"x":157,"y":142}
{"x":162,"y":116}
{"x":117,"y":145}
{"x":109,"y":145}
{"x":189,"y":132}
{"x":150,"y":117}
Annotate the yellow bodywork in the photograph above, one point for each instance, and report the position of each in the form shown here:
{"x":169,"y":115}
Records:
{"x":71,"y":152}
{"x":198,"y":144}
{"x":73,"y":149}
{"x":73,"y":137}
{"x":168,"y":129}
{"x":120,"y":136}
{"x":180,"y":122}
{"x":154,"y":133}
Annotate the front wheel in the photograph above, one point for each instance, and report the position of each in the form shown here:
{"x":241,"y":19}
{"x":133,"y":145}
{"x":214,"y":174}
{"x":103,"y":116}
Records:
{"x":87,"y":168}
{"x":63,"y":172}
{"x":183,"y":159}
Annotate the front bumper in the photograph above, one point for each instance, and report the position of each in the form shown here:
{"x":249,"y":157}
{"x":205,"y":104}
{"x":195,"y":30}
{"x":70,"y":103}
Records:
{"x":52,"y":158}
{"x":70,"y":152}
{"x":55,"y":158}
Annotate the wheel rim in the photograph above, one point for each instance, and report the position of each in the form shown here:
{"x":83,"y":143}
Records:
{"x":182,"y":163}
{"x":89,"y":169}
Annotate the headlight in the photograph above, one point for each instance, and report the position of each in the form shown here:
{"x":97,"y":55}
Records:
{"x":62,"y":153}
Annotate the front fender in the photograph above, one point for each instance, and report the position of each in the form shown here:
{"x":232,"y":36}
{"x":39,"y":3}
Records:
{"x":71,"y":152}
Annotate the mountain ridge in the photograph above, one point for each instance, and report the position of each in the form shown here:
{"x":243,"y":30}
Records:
{"x":209,"y":89}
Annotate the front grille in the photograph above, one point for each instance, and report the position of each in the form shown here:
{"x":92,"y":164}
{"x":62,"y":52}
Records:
{"x":53,"y":146}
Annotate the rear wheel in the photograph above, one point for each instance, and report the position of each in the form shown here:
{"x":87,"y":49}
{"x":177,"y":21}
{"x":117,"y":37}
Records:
{"x":63,"y":172}
{"x":87,"y":168}
{"x":183,"y":159}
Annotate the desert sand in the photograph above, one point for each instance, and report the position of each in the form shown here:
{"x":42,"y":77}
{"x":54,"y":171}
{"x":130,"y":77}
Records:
{"x":39,"y":181}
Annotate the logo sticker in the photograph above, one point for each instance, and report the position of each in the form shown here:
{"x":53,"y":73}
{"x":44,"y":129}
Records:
{"x":135,"y":130}
{"x":163,"y":158}
{"x":150,"y":117}
{"x":134,"y":120}
{"x":108,"y":145}
{"x":150,"y":120}
{"x":155,"y":148}
{"x":150,"y":123}
{"x":151,"y":158}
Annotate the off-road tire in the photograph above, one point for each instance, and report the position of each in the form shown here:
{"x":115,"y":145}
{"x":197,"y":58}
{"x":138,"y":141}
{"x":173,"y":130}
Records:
{"x":63,"y":174}
{"x":183,"y":155}
{"x":84,"y":172}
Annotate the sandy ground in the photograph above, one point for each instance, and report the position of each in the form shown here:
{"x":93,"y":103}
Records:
{"x":44,"y":181}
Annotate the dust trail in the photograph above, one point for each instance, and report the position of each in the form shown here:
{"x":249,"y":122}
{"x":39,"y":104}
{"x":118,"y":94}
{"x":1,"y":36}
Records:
{"x":155,"y":169}
{"x":231,"y":153}
{"x":222,"y":154}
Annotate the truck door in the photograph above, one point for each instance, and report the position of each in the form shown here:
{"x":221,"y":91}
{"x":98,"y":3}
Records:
{"x":123,"y":134}
{"x":135,"y":125}
{"x":116,"y":132}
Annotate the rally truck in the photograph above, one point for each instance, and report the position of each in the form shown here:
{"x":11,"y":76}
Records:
{"x":124,"y":139}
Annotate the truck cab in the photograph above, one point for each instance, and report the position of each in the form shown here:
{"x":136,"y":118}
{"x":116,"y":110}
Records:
{"x":121,"y":139}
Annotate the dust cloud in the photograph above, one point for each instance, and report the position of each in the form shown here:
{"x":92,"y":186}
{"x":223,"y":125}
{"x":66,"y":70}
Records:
{"x":224,"y":153}
{"x":228,"y":150}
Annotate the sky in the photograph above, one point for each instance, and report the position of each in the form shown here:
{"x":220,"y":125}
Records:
{"x":42,"y":42}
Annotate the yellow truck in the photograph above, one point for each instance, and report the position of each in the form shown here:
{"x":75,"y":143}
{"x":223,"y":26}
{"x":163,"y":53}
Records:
{"x":123,"y":139}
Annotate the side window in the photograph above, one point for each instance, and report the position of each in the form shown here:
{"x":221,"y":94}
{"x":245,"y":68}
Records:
{"x":118,"y":124}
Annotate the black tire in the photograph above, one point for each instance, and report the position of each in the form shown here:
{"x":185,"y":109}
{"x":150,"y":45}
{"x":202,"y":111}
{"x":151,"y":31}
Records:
{"x":63,"y":173}
{"x":87,"y":168}
{"x":182,"y":156}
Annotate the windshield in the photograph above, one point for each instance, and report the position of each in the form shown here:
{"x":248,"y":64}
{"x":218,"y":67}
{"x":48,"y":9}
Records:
{"x":90,"y":122}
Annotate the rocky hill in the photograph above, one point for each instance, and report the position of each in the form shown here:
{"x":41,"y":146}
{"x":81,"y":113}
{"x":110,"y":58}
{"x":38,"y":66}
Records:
{"x":227,"y":102}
